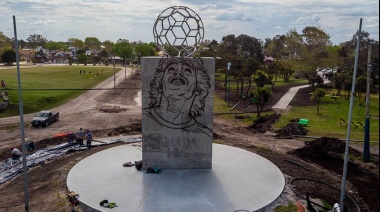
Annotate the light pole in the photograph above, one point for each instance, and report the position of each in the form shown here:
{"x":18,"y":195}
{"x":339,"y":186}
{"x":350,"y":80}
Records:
{"x":125,"y":68}
{"x":114,"y":70}
{"x":132,"y":66}
{"x":229,"y":83}
{"x":114,"y":75}
{"x":226,"y":79}
{"x":140,"y":59}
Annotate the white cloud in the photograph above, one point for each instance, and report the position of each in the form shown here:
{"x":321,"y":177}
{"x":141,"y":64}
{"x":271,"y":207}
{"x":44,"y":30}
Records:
{"x":207,"y":6}
{"x":133,"y":20}
{"x":306,"y":20}
{"x":41,"y":22}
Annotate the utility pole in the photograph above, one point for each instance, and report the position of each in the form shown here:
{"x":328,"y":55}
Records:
{"x":229,"y":85}
{"x":21,"y":108}
{"x":125,"y":68}
{"x":366,"y":152}
{"x":114,"y":75}
{"x":352,"y":97}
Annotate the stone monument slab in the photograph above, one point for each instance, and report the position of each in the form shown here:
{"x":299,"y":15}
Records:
{"x":177,"y":107}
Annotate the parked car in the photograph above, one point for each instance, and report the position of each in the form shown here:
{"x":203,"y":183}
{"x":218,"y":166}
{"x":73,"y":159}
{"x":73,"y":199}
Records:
{"x":44,"y":118}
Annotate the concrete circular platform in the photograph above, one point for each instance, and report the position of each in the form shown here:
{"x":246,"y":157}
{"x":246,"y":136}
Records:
{"x":238,"y":180}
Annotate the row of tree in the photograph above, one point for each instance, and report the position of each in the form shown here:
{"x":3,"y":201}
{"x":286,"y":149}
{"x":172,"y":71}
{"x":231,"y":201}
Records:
{"x":294,"y":53}
{"x":122,"y":48}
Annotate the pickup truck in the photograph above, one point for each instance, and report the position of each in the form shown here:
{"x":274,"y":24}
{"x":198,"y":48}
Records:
{"x":44,"y":118}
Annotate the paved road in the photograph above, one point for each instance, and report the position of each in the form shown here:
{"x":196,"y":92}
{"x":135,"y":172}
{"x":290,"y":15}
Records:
{"x":285,"y":100}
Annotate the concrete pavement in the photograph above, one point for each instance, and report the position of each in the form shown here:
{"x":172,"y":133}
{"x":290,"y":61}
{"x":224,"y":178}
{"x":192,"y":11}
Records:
{"x":287,"y":98}
{"x":238,"y":180}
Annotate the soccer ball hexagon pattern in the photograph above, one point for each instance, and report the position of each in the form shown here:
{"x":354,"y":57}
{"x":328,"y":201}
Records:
{"x":178,"y":27}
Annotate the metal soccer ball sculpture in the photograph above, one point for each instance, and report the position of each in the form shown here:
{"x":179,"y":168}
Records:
{"x":178,"y":27}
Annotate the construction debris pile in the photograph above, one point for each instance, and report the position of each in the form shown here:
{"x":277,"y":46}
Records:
{"x":291,"y":130}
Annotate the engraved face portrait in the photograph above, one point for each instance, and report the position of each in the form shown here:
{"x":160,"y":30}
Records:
{"x":177,"y":94}
{"x":179,"y":81}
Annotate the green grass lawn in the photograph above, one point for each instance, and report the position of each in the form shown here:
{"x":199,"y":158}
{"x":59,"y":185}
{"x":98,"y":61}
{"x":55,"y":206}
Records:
{"x":49,"y":79}
{"x":53,"y":78}
{"x":219,"y":78}
{"x":324,"y":124}
{"x":327,"y":122}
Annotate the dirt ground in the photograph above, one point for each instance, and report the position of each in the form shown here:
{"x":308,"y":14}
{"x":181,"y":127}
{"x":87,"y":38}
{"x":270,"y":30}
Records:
{"x":314,"y":166}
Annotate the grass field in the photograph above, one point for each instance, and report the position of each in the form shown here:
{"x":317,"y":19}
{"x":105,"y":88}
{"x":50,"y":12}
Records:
{"x":327,"y":123}
{"x":48,"y":82}
{"x":219,"y":77}
{"x":50,"y":79}
{"x":324,"y":124}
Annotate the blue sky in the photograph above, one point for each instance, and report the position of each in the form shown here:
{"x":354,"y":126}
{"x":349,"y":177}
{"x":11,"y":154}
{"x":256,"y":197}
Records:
{"x":134,"y":19}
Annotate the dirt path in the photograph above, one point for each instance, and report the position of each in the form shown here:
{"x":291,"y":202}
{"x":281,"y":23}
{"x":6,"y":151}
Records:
{"x":84,"y":111}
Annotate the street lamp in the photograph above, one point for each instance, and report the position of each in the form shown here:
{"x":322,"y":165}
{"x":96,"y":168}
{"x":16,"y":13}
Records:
{"x":114,"y":75}
{"x":140,"y":59}
{"x":114,"y":71}
{"x":229,"y":82}
{"x":132,"y":65}
{"x":125,"y":68}
{"x":227,"y":79}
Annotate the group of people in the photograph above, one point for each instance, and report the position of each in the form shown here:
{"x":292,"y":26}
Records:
{"x":81,"y":135}
{"x":16,"y":154}
{"x":80,"y":72}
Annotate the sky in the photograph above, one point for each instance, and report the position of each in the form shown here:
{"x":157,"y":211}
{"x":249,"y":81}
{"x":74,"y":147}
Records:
{"x":134,"y":19}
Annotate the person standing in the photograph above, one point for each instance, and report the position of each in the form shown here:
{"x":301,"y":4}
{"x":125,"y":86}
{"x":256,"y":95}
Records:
{"x":80,"y":136}
{"x":88,"y":139}
{"x":3,"y":84}
{"x":31,"y":146}
{"x":70,"y":137}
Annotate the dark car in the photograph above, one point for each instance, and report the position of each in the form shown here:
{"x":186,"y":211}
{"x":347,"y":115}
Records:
{"x":44,"y":118}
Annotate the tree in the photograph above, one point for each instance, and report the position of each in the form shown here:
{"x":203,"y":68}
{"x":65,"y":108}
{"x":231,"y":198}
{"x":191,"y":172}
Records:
{"x":36,"y":40}
{"x":92,"y":43}
{"x":249,"y":47}
{"x":82,"y":57}
{"x":348,"y":50}
{"x":250,"y":66}
{"x":261,"y":78}
{"x":52,"y":45}
{"x":168,"y":49}
{"x":317,"y":96}
{"x":262,"y":97}
{"x":314,"y":81}
{"x":307,"y":51}
{"x":4,"y":42}
{"x":361,"y":86}
{"x":79,"y":44}
{"x":338,"y":80}
{"x":274,"y":69}
{"x":9,"y":56}
{"x":123,"y":48}
{"x":228,"y":46}
{"x":108,"y":45}
{"x":315,"y":38}
{"x":276,"y":47}
{"x":145,"y":49}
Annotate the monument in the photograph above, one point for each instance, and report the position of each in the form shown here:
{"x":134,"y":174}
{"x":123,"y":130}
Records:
{"x":177,"y":125}
{"x":177,"y":95}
